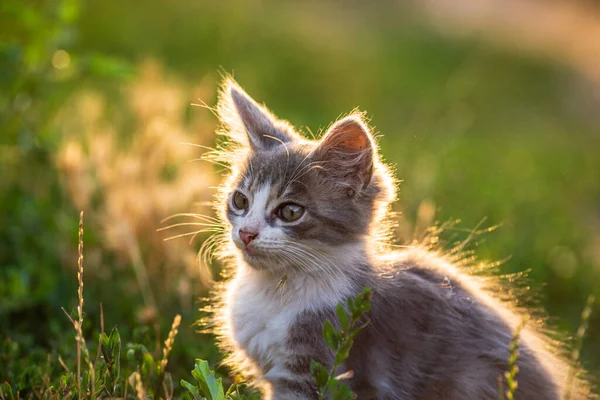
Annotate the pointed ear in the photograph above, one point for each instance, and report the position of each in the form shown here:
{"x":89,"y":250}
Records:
{"x":241,"y":113}
{"x":347,"y":152}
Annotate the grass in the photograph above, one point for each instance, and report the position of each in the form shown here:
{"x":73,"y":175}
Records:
{"x":473,"y":131}
{"x":146,"y":375}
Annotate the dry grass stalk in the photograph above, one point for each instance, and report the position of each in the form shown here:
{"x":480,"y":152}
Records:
{"x":62,"y":363}
{"x":77,"y":324}
{"x":169,"y":342}
{"x":80,"y":270}
{"x":135,"y":380}
{"x":80,"y":297}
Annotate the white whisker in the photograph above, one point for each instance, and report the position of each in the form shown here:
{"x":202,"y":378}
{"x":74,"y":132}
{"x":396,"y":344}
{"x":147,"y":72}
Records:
{"x":164,"y":228}
{"x":193,"y":215}
{"x":188,"y":234}
{"x":199,"y":145}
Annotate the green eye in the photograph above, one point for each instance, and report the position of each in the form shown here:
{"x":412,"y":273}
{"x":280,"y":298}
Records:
{"x":240,"y":201}
{"x":290,"y":212}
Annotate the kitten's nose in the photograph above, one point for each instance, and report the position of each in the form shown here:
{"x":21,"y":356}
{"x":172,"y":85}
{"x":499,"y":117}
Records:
{"x":247,"y":237}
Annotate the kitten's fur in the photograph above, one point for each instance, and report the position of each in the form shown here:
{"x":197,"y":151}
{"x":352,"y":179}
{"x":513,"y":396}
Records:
{"x":433,"y":333}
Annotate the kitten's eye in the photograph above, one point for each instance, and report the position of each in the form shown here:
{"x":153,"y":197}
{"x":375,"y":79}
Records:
{"x":290,"y":212}
{"x":240,"y":201}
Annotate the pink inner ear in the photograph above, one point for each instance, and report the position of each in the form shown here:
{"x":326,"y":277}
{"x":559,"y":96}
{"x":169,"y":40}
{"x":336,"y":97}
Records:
{"x":350,"y":136}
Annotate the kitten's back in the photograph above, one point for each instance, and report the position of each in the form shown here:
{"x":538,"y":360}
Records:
{"x":445,"y":338}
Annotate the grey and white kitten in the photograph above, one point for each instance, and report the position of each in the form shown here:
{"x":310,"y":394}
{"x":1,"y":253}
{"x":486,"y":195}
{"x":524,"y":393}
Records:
{"x":313,"y":213}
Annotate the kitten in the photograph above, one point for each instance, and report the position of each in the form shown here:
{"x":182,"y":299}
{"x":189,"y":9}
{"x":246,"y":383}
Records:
{"x":312,"y":214}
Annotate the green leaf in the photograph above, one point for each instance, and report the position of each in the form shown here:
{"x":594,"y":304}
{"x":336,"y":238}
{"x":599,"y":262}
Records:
{"x":85,"y":382}
{"x":114,"y":339}
{"x":367,"y":293}
{"x":351,"y":307}
{"x":342,"y":316}
{"x":192,"y":389}
{"x":114,"y":344}
{"x":105,"y":348}
{"x":208,"y":384}
{"x":342,"y":392}
{"x":319,"y":373}
{"x":362,"y":303}
{"x":99,"y":388}
{"x":332,"y":338}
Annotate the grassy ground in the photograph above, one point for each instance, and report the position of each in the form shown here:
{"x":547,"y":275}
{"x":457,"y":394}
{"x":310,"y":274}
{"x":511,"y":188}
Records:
{"x":474,"y":132}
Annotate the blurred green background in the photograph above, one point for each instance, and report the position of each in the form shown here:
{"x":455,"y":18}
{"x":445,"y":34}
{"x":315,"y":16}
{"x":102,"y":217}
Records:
{"x":95,"y":98}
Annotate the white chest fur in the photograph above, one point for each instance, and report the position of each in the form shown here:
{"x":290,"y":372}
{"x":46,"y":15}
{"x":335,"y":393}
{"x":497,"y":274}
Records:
{"x":259,"y":320}
{"x":260,"y":315}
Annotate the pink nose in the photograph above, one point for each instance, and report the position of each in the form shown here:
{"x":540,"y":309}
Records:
{"x":247,"y":237}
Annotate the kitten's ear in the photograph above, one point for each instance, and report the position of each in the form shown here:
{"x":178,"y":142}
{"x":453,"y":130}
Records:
{"x":250,"y":122}
{"x":347,"y":152}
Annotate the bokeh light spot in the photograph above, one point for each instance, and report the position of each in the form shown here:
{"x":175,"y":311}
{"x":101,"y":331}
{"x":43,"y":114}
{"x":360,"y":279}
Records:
{"x":61,"y":59}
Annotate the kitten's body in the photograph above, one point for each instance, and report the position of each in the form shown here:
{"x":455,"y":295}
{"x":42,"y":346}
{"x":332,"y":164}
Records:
{"x":433,"y":333}
{"x":428,"y":337}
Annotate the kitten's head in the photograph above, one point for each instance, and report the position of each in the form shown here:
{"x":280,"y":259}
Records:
{"x":293,"y":203}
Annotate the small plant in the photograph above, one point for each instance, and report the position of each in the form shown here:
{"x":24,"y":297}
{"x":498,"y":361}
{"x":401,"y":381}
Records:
{"x":513,"y":368}
{"x":209,"y":387}
{"x":111,"y":351}
{"x":328,"y":384}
